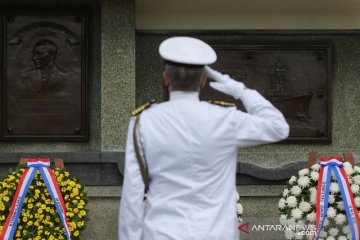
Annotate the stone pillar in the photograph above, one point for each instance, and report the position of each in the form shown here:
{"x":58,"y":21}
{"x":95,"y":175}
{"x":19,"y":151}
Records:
{"x":118,"y":72}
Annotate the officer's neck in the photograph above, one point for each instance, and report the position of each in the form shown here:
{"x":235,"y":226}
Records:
{"x":176,"y":95}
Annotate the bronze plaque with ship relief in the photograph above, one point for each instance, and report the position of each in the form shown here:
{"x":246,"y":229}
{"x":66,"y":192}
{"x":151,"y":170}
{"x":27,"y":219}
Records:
{"x":296,"y":79}
{"x":44,"y":78}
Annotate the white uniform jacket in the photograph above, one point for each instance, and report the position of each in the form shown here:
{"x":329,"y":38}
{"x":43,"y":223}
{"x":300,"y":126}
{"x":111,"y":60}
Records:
{"x":190,"y":147}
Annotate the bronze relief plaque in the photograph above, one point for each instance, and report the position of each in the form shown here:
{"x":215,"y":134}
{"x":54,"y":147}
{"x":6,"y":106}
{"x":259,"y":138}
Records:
{"x":296,"y":79}
{"x":44,"y":76}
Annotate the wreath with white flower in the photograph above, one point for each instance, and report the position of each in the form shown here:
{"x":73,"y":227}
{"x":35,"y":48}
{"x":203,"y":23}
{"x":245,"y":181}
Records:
{"x":297,"y":205}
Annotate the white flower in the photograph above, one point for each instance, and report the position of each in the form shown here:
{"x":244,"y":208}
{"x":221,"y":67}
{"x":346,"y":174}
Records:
{"x":342,"y":238}
{"x":331,"y":212}
{"x":303,"y":172}
{"x":289,"y":234}
{"x":346,"y":229}
{"x":291,"y":201}
{"x":313,"y":195}
{"x":283,"y":219}
{"x":286,"y":192}
{"x":333,"y":231}
{"x":347,"y":164}
{"x":340,"y":205}
{"x":314,"y":175}
{"x":340,"y":218}
{"x":357,"y":169}
{"x":300,"y":223}
{"x":237,"y":196}
{"x":282,"y":203}
{"x":331,"y":198}
{"x":333,"y":177}
{"x":355,"y":188}
{"x":303,"y":181}
{"x":291,"y":221}
{"x":296,"y":190}
{"x":357,"y":201}
{"x":304,"y":206}
{"x":239,"y":208}
{"x":330,"y":238}
{"x":334,"y":187}
{"x":348,"y":168}
{"x":326,"y":222}
{"x":296,"y":213}
{"x":356,"y":179}
{"x":315,"y":167}
{"x":311,"y":217}
{"x":323,"y":234}
{"x":292,"y":179}
{"x":298,"y":235}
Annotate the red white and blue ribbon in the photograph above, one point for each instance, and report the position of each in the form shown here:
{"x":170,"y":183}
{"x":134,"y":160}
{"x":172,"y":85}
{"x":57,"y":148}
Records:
{"x":34,"y":164}
{"x":329,"y":165}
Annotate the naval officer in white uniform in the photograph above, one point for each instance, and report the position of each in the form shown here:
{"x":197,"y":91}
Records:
{"x":190,"y":151}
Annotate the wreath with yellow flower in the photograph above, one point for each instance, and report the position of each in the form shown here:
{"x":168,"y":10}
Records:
{"x":39,"y":218}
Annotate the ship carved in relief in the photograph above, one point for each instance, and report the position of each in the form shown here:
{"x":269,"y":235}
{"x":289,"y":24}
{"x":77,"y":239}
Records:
{"x":295,"y":105}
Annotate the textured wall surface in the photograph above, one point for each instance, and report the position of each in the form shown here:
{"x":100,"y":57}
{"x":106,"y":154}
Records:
{"x":259,"y":203}
{"x":103,"y":215}
{"x":345,"y":91}
{"x":118,"y":72}
{"x":94,"y":74}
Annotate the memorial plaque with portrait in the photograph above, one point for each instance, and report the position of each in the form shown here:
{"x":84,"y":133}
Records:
{"x":44,"y":78}
{"x":296,"y":79}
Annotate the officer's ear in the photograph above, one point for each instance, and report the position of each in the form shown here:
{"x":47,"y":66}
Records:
{"x":166,"y":78}
{"x":203,"y":80}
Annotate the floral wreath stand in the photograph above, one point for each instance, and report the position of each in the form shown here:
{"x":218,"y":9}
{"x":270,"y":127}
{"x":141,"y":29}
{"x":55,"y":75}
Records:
{"x":324,"y":194}
{"x":42,"y":202}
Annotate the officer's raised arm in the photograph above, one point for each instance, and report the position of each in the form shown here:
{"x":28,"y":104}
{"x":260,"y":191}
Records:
{"x":264,"y":123}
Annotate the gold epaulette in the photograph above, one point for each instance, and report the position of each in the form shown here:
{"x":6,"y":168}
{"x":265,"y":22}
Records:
{"x":222,"y":103}
{"x":138,"y":110}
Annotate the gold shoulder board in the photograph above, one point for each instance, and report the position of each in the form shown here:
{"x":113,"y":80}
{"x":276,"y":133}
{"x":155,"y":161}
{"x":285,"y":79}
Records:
{"x":222,"y":103}
{"x":139,"y":110}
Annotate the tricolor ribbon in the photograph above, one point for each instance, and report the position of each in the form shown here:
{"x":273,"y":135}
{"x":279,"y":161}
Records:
{"x":33,"y":165}
{"x":329,"y":165}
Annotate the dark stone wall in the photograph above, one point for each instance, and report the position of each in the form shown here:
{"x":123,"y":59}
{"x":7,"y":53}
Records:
{"x":345,"y":86}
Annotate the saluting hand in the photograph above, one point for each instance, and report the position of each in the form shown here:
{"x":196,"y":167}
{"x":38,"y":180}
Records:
{"x":225,"y":84}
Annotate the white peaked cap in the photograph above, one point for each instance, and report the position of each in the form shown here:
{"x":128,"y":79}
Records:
{"x":187,"y":50}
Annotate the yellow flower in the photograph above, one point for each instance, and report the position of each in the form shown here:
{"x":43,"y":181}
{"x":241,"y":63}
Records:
{"x":25,"y":219}
{"x":80,"y":224}
{"x":72,"y":224}
{"x":6,"y":199}
{"x":30,"y":206}
{"x":76,"y":233}
{"x":30,"y":223}
{"x":69,"y":214}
